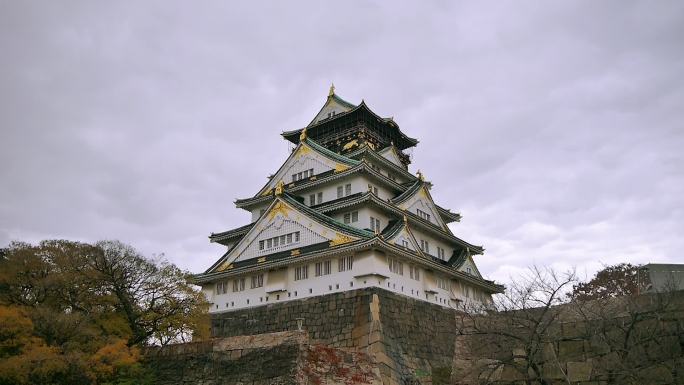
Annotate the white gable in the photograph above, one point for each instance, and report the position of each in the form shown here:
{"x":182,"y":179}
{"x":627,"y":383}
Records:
{"x":470,"y":268}
{"x":331,"y":106}
{"x":303,"y":159}
{"x":402,"y":236}
{"x":421,"y":201}
{"x":292,"y":233}
{"x":280,"y":220}
{"x":390,"y":154}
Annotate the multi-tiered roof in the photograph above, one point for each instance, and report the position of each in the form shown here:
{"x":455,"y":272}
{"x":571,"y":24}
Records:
{"x":347,"y":140}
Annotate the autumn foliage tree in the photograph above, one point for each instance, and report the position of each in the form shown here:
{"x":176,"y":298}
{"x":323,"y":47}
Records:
{"x":75,"y":313}
{"x":613,"y":281}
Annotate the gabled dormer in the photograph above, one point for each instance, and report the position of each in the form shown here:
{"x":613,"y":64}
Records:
{"x":306,"y":160}
{"x":334,"y":105}
{"x":401,"y":235}
{"x":288,"y":225}
{"x":417,"y":200}
{"x":463,"y":261}
{"x":393,"y":155}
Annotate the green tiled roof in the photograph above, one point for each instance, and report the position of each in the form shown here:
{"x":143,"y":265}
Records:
{"x":326,"y":219}
{"x":331,"y":154}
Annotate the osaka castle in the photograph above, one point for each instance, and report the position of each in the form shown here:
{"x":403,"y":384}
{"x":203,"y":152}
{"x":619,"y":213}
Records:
{"x":342,"y":213}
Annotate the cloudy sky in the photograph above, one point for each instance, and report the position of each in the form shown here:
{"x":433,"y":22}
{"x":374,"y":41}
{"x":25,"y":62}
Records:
{"x":556,"y":130}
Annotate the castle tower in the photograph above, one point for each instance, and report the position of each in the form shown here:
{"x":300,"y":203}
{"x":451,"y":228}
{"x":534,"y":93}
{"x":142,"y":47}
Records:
{"x":343,"y":212}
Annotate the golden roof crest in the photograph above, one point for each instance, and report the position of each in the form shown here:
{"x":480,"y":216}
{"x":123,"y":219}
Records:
{"x":279,"y":188}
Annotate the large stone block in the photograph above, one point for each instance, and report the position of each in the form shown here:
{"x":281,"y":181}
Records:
{"x":579,"y":371}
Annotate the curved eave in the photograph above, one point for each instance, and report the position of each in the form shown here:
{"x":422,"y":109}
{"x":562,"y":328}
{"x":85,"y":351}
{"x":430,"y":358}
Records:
{"x":248,"y":203}
{"x":253,"y":264}
{"x":293,"y":135}
{"x":411,"y":191}
{"x":448,"y":216}
{"x":386,"y":162}
{"x":415,"y":219}
{"x":442,"y":266}
{"x":375,"y":242}
{"x":230,"y":235}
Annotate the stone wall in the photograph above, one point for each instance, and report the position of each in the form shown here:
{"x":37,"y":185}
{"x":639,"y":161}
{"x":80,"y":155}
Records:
{"x":266,"y":358}
{"x":375,"y":336}
{"x":620,"y":341}
{"x":285,"y":358}
{"x":410,"y":339}
{"x":328,"y":319}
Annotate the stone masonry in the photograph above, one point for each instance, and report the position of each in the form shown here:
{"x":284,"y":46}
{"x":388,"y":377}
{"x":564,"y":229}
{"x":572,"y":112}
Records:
{"x":363,"y":336}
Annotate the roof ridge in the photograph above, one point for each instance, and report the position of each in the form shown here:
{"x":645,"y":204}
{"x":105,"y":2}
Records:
{"x":325,"y":151}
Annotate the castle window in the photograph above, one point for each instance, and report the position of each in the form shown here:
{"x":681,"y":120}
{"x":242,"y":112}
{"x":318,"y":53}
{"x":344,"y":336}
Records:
{"x":469,"y":270}
{"x":442,"y":283}
{"x":374,"y":224}
{"x":239,"y":285}
{"x":423,"y":214}
{"x":257,"y":281}
{"x":319,"y":198}
{"x":347,"y":189}
{"x":279,"y":241}
{"x":221,"y":287}
{"x":312,"y":199}
{"x":355,"y":216}
{"x":340,"y":191}
{"x":345,"y":263}
{"x":405,"y":243}
{"x":425,"y":246}
{"x":440,"y":252}
{"x":373,"y":189}
{"x":301,"y":272}
{"x":347,"y":218}
{"x":322,"y":268}
{"x":414,"y":272}
{"x":395,"y":266}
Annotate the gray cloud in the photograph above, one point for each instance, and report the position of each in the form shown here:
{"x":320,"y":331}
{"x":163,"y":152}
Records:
{"x":556,"y":130}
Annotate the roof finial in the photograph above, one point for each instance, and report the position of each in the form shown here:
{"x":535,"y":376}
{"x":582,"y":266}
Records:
{"x":279,"y":188}
{"x":420,"y":176}
{"x":302,"y":135}
{"x":332,"y":89}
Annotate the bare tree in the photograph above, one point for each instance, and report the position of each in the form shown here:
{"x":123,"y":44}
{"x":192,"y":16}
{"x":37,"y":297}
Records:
{"x":514,"y":341}
{"x":635,"y":339}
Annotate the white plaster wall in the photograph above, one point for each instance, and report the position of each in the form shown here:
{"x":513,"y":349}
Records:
{"x":359,"y":185}
{"x":434,"y":243}
{"x":365,"y":213}
{"x":366,"y":263}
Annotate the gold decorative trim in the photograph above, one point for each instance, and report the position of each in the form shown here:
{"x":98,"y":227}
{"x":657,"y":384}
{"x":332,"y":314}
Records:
{"x":295,"y":252}
{"x":225,"y":266}
{"x":340,"y":168}
{"x":280,"y":187}
{"x":340,"y":239}
{"x":261,"y":260}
